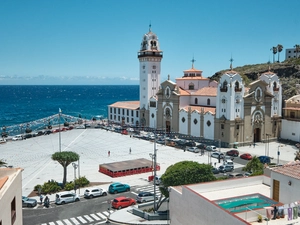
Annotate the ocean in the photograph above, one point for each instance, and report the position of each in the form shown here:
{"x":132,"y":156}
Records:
{"x":21,"y":104}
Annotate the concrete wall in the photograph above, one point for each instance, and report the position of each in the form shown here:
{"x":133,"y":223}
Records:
{"x":190,"y":206}
{"x":11,"y":189}
{"x":290,"y":130}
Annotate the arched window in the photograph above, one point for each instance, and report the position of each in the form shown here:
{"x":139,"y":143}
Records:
{"x":196,"y":101}
{"x":224,"y":86}
{"x":191,"y":86}
{"x":208,"y":101}
{"x":237,"y":85}
{"x":274,"y":85}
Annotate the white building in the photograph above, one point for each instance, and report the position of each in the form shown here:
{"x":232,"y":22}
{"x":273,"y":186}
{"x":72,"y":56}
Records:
{"x":291,"y":53}
{"x":11,"y":196}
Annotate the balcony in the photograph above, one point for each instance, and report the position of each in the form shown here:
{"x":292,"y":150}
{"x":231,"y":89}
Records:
{"x":238,"y":89}
{"x":275,"y":89}
{"x":223,"y":89}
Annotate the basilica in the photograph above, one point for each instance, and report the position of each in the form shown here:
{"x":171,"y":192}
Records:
{"x":226,"y":111}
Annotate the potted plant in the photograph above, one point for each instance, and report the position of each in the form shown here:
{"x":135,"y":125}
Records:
{"x":259,"y":218}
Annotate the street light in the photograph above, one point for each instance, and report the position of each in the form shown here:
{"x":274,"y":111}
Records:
{"x":278,"y":154}
{"x":152,"y":157}
{"x":75,"y":167}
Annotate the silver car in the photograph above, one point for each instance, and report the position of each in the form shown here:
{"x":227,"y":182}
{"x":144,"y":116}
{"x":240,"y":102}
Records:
{"x":193,"y":149}
{"x":145,"y":197}
{"x":66,"y":197}
{"x":28,"y":202}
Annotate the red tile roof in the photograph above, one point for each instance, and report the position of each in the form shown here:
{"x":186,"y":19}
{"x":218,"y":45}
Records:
{"x":3,"y":181}
{"x":292,"y":169}
{"x":206,"y":91}
{"x":127,"y":105}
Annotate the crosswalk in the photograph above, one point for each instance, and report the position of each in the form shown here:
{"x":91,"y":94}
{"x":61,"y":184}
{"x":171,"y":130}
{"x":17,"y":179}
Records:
{"x":148,"y":188}
{"x":100,"y":217}
{"x":84,"y":219}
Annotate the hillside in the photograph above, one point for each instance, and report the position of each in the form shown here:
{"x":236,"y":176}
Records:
{"x":288,"y":71}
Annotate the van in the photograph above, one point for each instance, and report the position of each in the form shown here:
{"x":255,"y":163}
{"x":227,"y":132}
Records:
{"x":66,"y":197}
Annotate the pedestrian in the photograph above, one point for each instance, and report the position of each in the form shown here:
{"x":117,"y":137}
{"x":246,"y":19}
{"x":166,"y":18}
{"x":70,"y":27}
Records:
{"x":254,"y":145}
{"x":41,"y":198}
{"x":129,"y":150}
{"x":46,"y":202}
{"x":108,"y":153}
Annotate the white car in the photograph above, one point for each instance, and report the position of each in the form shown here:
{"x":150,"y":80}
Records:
{"x":211,"y":148}
{"x":217,"y":154}
{"x":17,"y":137}
{"x":66,"y":197}
{"x":80,"y":127}
{"x":94,"y":192}
{"x":193,"y":149}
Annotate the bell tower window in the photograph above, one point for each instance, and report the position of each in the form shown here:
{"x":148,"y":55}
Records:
{"x":208,"y":101}
{"x":191,"y":86}
{"x":196,"y":101}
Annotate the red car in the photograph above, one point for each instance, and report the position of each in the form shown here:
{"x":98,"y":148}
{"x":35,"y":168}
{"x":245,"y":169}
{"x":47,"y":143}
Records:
{"x":233,"y":152}
{"x":121,"y":202}
{"x":246,"y":156}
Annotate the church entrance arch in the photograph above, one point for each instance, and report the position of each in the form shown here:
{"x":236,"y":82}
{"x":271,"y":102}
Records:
{"x":257,"y":135}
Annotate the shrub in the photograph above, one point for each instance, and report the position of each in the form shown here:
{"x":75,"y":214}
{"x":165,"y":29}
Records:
{"x":69,"y":186}
{"x":50,"y":187}
{"x":82,"y":181}
{"x":37,"y":187}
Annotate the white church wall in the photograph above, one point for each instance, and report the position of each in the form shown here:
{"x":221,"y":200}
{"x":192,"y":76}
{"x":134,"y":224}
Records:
{"x":195,"y":127}
{"x":290,"y":130}
{"x":183,"y":126}
{"x":184,"y":101}
{"x":208,"y":129}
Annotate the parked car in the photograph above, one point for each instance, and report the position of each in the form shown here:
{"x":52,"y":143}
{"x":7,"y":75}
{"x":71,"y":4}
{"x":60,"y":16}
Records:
{"x":264,"y":159}
{"x":233,"y":152}
{"x":145,"y":197}
{"x":28,"y":202}
{"x":217,"y":154}
{"x":122,"y":202}
{"x":193,"y":149}
{"x":117,"y":187}
{"x":80,"y":127}
{"x":215,"y":170}
{"x":17,"y":137}
{"x":47,"y":132}
{"x":66,"y":197}
{"x":246,"y":156}
{"x":94,"y":192}
{"x":225,"y":168}
{"x":228,"y":162}
{"x":247,"y":174}
{"x":211,"y":148}
{"x":235,"y":175}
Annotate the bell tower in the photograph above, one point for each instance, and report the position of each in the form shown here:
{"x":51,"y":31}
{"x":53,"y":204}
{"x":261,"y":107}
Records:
{"x":150,"y":57}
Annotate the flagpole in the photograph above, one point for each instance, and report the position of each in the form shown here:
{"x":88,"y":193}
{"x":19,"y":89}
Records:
{"x":59,"y":130}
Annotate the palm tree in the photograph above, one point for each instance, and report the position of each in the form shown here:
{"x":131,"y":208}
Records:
{"x":274,"y":50}
{"x":297,"y":48}
{"x":65,"y":159}
{"x":279,"y":49}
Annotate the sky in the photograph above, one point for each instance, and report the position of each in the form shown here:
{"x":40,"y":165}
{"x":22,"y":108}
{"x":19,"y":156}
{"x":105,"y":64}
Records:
{"x":95,"y":42}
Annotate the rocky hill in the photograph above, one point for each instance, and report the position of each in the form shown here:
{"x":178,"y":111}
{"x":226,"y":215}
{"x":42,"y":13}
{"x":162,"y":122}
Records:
{"x":288,"y":71}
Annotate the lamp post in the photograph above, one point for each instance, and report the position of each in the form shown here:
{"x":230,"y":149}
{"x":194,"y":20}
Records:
{"x":75,"y":167}
{"x":154,"y":158}
{"x":151,"y":156}
{"x":59,"y":114}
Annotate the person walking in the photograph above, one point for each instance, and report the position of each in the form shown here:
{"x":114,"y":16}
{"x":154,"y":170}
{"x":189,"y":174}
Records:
{"x":108,"y":153}
{"x":41,"y":198}
{"x":129,"y":150}
{"x":46,"y":202}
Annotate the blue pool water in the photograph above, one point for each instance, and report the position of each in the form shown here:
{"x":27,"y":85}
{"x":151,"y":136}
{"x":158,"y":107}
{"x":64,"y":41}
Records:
{"x":239,"y":204}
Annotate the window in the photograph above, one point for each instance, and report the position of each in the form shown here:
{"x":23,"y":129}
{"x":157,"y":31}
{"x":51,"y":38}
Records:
{"x":13,"y":211}
{"x":208,"y":123}
{"x":131,"y":112}
{"x":223,"y":100}
{"x":123,"y":111}
{"x":153,"y":104}
{"x":208,"y":101}
{"x":119,"y":111}
{"x":127,"y":120}
{"x":111,"y":117}
{"x":152,"y":115}
{"x":183,"y":119}
{"x":196,"y":101}
{"x":154,"y":67}
{"x":195,"y":121}
{"x":118,"y":118}
{"x":127,"y":112}
{"x":110,"y":110}
{"x":137,"y":114}
{"x":114,"y":110}
{"x":222,"y":126}
{"x":191,"y":86}
{"x":237,"y":127}
{"x":292,"y":114}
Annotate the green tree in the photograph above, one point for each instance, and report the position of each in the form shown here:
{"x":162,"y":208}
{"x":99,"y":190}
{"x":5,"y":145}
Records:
{"x":297,"y":155}
{"x":65,"y":159}
{"x":255,"y":166}
{"x":2,"y":162}
{"x":182,"y":173}
{"x":297,"y":49}
{"x":274,"y":50}
{"x":279,"y":49}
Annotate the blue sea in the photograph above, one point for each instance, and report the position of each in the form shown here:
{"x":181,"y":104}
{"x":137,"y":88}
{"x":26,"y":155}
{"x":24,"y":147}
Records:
{"x":25,"y":103}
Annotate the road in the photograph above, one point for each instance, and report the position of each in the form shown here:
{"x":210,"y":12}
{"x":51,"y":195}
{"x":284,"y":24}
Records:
{"x":86,"y":211}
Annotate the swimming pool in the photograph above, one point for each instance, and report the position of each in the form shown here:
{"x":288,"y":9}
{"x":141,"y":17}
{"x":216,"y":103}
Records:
{"x":239,"y":204}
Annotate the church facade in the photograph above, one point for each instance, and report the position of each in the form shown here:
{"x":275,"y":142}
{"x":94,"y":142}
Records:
{"x":224,"y":111}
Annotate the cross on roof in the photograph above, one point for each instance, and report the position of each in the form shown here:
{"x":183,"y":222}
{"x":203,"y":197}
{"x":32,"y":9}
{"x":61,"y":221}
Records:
{"x":193,"y":60}
{"x":231,"y":60}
